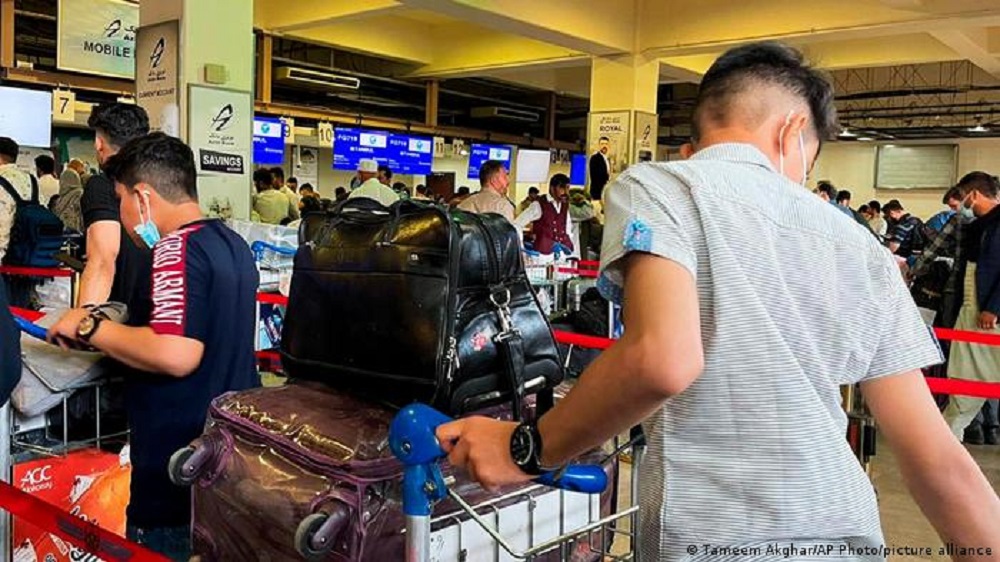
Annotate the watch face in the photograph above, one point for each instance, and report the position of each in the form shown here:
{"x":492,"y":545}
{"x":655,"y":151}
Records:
{"x":86,"y":326}
{"x":522,"y":445}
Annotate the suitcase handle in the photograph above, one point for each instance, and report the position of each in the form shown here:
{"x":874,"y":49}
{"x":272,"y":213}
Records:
{"x":412,"y":439}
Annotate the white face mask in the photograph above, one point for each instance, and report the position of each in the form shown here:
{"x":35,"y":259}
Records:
{"x":802,"y":150}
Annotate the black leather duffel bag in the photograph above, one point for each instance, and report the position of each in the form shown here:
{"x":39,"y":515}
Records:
{"x":416,"y":302}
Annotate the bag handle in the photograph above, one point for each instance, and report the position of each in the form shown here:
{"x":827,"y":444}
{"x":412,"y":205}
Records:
{"x":9,"y":188}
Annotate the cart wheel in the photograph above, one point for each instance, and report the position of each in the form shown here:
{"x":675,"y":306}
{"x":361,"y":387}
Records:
{"x":304,"y":543}
{"x":181,"y":473}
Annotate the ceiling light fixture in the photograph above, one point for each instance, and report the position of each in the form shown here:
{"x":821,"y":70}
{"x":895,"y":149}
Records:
{"x":847,"y":134}
{"x":979,"y":128}
{"x":865,"y":139}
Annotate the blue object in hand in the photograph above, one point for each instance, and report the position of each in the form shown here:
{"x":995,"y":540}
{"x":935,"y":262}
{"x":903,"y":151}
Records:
{"x":413,"y":440}
{"x":30,"y":328}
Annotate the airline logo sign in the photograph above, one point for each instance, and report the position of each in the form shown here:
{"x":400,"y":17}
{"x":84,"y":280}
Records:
{"x":266,"y":129}
{"x":422,"y":146}
{"x":156,"y":84}
{"x":97,"y":37}
{"x":500,"y":154}
{"x":372,"y":140}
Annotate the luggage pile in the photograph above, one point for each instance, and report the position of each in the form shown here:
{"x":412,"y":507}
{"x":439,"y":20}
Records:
{"x":387,"y":306}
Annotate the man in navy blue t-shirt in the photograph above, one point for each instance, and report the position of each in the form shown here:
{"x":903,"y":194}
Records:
{"x":199,"y":341}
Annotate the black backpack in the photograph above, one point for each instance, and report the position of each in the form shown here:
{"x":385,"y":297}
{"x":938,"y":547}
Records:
{"x":37,"y":233}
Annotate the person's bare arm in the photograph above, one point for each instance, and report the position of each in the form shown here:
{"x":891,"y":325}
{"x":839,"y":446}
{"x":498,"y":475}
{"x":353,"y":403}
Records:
{"x":659,"y":356}
{"x":103,"y":243}
{"x":941,"y":475}
{"x":138,"y":347}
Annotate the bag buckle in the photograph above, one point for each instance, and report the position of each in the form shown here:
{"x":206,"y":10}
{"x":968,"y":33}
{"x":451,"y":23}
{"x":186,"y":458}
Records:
{"x":500,"y":299}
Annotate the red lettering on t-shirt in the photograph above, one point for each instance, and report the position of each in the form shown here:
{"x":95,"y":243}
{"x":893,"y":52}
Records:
{"x":169,"y":283}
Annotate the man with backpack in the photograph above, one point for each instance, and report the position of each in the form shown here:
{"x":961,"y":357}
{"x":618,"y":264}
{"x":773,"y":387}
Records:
{"x":29,"y":233}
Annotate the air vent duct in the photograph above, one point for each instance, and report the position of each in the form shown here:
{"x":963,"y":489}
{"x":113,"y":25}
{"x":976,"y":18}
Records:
{"x":315,"y":79}
{"x":499,"y":112}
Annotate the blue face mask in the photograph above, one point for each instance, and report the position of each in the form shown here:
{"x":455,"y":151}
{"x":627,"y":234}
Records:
{"x":966,"y":212}
{"x":146,"y":229}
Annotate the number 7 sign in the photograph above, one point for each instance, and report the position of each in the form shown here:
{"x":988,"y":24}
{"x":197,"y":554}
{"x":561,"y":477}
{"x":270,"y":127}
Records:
{"x":63,"y":106}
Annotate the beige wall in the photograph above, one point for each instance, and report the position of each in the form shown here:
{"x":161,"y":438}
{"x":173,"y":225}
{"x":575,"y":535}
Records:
{"x":851,"y":166}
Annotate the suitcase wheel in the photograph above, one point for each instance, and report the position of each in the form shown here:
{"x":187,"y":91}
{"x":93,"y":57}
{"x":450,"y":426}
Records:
{"x":187,"y":464}
{"x":316,"y":534}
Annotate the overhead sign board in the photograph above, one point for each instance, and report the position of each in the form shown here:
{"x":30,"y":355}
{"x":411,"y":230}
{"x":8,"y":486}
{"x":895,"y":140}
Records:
{"x":97,"y":37}
{"x":156,"y":77}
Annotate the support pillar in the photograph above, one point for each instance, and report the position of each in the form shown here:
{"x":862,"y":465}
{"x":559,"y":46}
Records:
{"x":215,"y":82}
{"x":623,"y":93}
{"x":431,"y":108}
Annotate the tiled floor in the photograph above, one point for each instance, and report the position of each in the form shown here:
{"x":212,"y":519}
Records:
{"x":902,"y":522}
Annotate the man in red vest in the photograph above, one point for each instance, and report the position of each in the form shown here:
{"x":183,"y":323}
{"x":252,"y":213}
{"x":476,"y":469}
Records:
{"x":549,"y":218}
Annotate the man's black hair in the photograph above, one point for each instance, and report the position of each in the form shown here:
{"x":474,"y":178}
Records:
{"x":891,"y":206}
{"x":864,"y":209}
{"x":533,"y":190}
{"x":311,"y":205}
{"x":953,"y":193}
{"x":603,"y":139}
{"x":159,"y":160}
{"x":119,"y":123}
{"x":875,"y":206}
{"x":9,"y":149}
{"x":263,"y":176}
{"x":559,"y":180}
{"x":422,"y":189}
{"x":986,"y":184}
{"x":307,"y":187}
{"x":278,"y":172}
{"x":294,"y":180}
{"x":489,"y":169}
{"x":843,"y":195}
{"x":45,"y":164}
{"x":759,"y":64}
{"x":399,"y":186}
{"x":828,"y":189}
{"x":385,"y":171}
{"x":464,"y":190}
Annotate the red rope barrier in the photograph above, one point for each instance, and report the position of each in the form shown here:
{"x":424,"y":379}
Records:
{"x":964,"y":388}
{"x":967,"y":337}
{"x":272,"y":298}
{"x":589,"y":342}
{"x":80,"y":532}
{"x":36,"y":271}
{"x":580,"y":272}
{"x":589,"y":264}
{"x":29,"y":315}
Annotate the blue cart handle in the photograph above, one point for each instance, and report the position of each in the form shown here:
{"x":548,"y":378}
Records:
{"x":259,"y":247}
{"x":30,"y":328}
{"x":412,"y":439}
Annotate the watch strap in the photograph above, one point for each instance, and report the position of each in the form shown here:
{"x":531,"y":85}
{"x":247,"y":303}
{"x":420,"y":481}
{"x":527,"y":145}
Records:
{"x":86,"y":335}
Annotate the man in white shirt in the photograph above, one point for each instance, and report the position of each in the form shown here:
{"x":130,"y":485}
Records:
{"x":371,"y":187}
{"x":549,"y":218}
{"x":21,"y":183}
{"x":278,"y":177}
{"x":48,"y":183}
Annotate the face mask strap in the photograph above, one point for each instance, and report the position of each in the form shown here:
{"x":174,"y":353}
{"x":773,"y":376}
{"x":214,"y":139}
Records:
{"x":781,"y":142}
{"x":802,"y":150}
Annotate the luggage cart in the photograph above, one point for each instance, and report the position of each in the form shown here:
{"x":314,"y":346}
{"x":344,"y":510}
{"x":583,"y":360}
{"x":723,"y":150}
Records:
{"x":414,"y":443}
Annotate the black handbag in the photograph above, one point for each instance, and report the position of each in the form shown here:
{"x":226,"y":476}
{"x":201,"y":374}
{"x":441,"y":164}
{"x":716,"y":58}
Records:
{"x":418,"y":302}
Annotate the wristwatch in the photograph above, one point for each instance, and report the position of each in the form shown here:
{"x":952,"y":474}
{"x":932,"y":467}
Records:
{"x":88,"y":327}
{"x":526,"y":449}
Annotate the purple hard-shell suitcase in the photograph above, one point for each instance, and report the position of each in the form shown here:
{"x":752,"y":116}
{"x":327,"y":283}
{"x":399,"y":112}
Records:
{"x":303,"y":471}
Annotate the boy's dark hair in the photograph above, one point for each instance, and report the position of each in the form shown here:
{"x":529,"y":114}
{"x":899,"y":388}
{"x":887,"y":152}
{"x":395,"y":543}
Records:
{"x":307,"y":187}
{"x":891,"y":206}
{"x":843,"y":195}
{"x":119,"y":123}
{"x":386,"y":171}
{"x":464,"y":190}
{"x":263,"y":176}
{"x":399,"y":186}
{"x":9,"y":148}
{"x":864,"y":209}
{"x":875,"y":206}
{"x":953,"y":193}
{"x":766,"y":63}
{"x":533,"y":190}
{"x":278,"y":172}
{"x":603,"y":139}
{"x":340,"y":191}
{"x":45,"y":164}
{"x":158,"y":160}
{"x":984,"y":183}
{"x":311,"y":205}
{"x":489,"y":169}
{"x":294,"y":180}
{"x":827,"y":188}
{"x":559,"y":180}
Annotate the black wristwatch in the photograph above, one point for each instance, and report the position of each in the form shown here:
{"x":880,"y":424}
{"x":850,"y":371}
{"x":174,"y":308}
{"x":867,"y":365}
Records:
{"x":88,"y":327}
{"x":526,"y":449}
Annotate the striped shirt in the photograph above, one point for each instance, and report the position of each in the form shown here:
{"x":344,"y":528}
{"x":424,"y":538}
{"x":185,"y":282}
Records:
{"x":753,"y":454}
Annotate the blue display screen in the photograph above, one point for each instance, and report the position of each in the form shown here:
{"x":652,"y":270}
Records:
{"x":404,"y":154}
{"x":578,"y":170}
{"x":482,"y":152}
{"x":268,"y":141}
